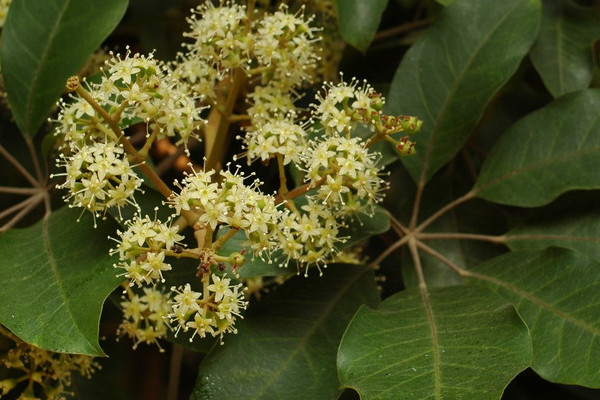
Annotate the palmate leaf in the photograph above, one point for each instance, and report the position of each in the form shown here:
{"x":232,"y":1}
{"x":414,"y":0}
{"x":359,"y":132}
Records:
{"x":359,"y":20}
{"x":557,"y":293}
{"x":455,"y":342}
{"x":572,"y":221}
{"x":450,"y":75}
{"x":45,"y":42}
{"x":286,"y":346}
{"x":545,"y":154}
{"x":562,"y":53}
{"x":56,"y":276}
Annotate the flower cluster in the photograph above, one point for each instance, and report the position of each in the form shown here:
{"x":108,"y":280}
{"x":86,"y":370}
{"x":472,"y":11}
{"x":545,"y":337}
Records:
{"x":268,"y":57}
{"x":145,"y":317}
{"x":346,"y":174}
{"x":42,"y":370}
{"x":230,"y":203}
{"x":98,"y":176}
{"x":142,"y":248}
{"x":268,"y":139}
{"x":212,"y":312}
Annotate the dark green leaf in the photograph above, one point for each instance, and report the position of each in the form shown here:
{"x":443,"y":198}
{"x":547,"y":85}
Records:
{"x":56,"y":276}
{"x":547,"y":153}
{"x":287,"y":344}
{"x":557,"y":293}
{"x":450,"y":75}
{"x":45,"y":42}
{"x":359,"y":20}
{"x":362,"y":227}
{"x":562,"y":53}
{"x":573,"y":221}
{"x":253,"y":267}
{"x":449,"y":343}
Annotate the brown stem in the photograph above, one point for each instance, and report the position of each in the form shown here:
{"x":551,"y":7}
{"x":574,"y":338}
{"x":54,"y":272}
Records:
{"x":216,"y":143}
{"x":416,"y":205}
{"x":17,"y":217}
{"x":400,"y":29}
{"x":18,"y":167}
{"x":18,"y":190}
{"x":116,"y":129}
{"x":299,"y":191}
{"x":389,"y":251}
{"x":216,"y":246}
{"x":466,"y":197}
{"x":397,"y":226}
{"x":42,"y":180}
{"x":461,"y":272}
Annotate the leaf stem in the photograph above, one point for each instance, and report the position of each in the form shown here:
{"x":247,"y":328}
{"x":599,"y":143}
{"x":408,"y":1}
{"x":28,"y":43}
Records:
{"x":31,"y":204}
{"x":460,"y":271}
{"x":466,"y":197}
{"x":400,"y":29}
{"x":467,"y":236}
{"x":416,"y":205}
{"x":389,"y":251}
{"x":18,"y":166}
{"x":18,"y":190}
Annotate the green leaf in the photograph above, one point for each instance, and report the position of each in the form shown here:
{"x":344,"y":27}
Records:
{"x":56,"y":276}
{"x":446,"y":2}
{"x":253,"y":267}
{"x":573,"y":221}
{"x":359,"y":20}
{"x":287,"y":344}
{"x":562,"y":53}
{"x":361,"y":227}
{"x":448,"y":343}
{"x":557,"y":293}
{"x":450,"y":75}
{"x":548,"y":152}
{"x":45,"y":42}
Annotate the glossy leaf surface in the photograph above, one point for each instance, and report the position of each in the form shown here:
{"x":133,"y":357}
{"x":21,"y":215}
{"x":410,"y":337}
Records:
{"x":45,"y":42}
{"x":557,"y":293}
{"x":562,"y":53}
{"x":359,"y":20}
{"x":286,"y":346}
{"x":549,"y":152}
{"x":453,"y":343}
{"x":451,"y":74}
{"x":56,"y":276}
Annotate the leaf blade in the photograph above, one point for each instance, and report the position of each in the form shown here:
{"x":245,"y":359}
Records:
{"x":559,"y":146}
{"x":43,"y":43}
{"x":450,"y":75}
{"x":423,"y":352}
{"x":562,"y":53}
{"x":556,"y":292}
{"x":299,"y":327}
{"x":359,"y":20}
{"x":53,"y":299}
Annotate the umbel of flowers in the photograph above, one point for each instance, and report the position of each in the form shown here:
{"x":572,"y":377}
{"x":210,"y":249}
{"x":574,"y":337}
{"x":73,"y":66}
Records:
{"x":233,"y":51}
